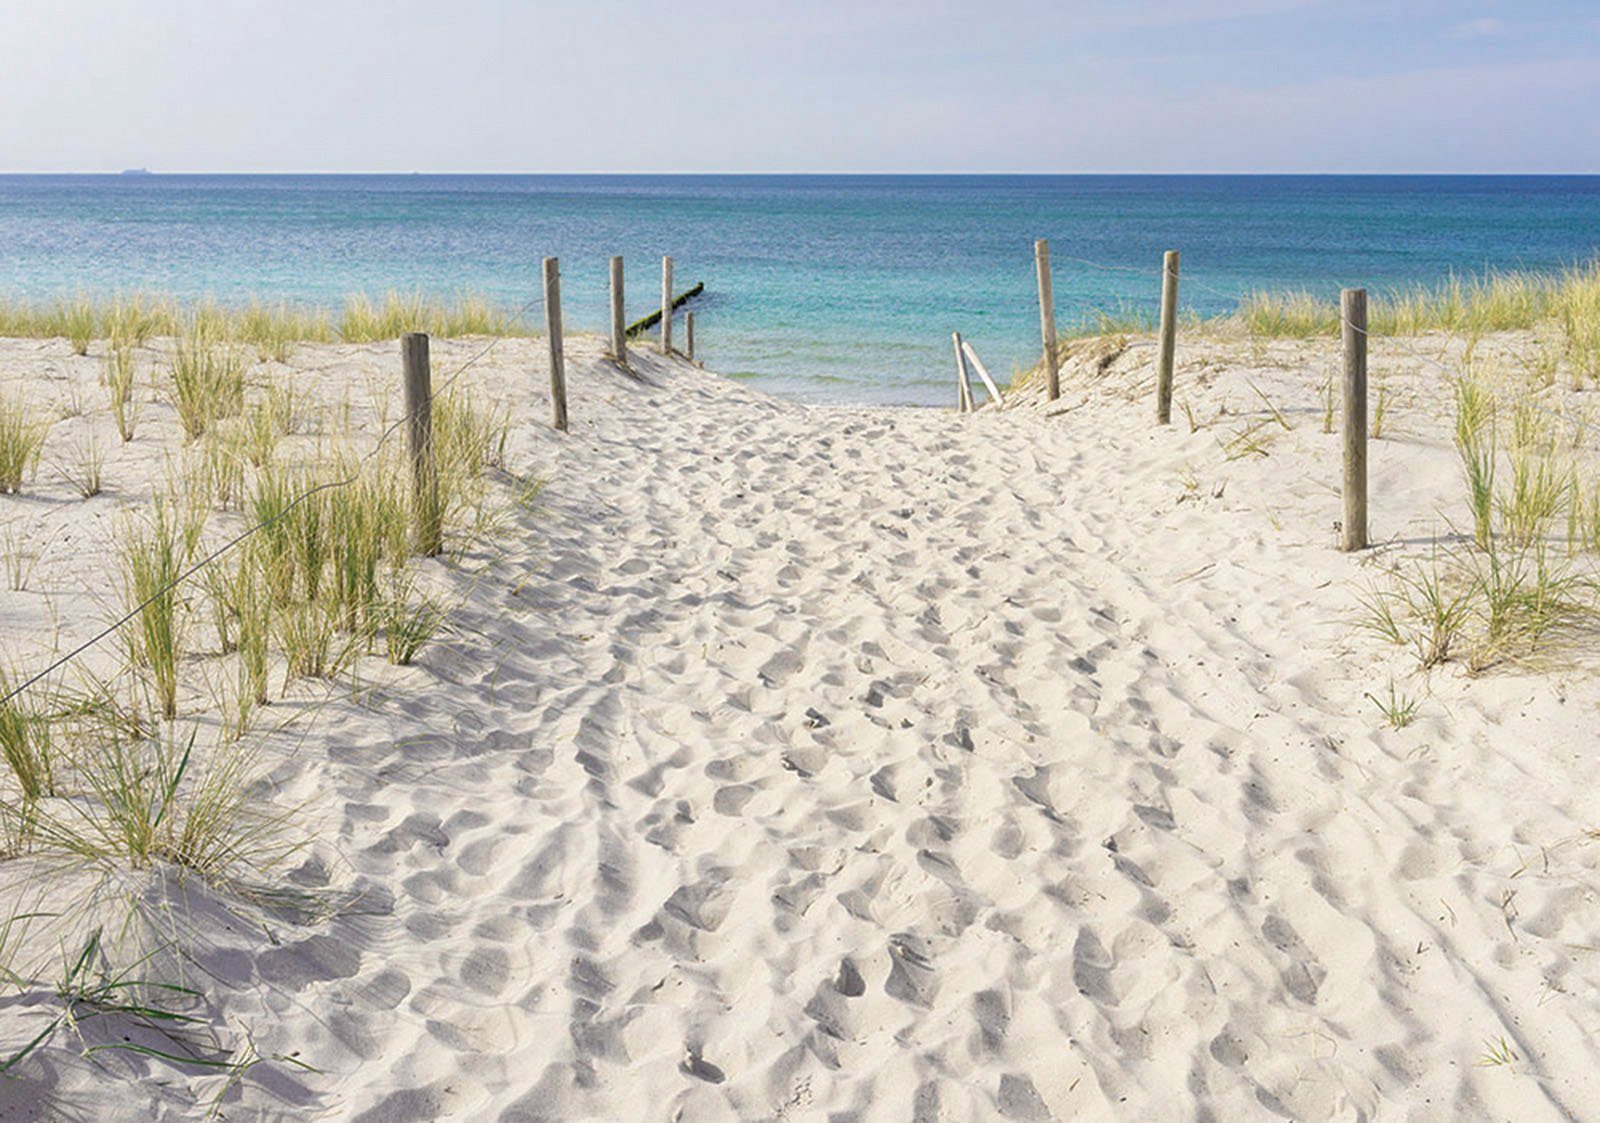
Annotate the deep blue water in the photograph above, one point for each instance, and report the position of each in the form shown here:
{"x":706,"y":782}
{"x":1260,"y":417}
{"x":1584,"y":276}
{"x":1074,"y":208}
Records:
{"x":831,"y":287}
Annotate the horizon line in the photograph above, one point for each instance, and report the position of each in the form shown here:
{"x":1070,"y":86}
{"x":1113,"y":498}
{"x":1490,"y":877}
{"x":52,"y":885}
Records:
{"x":140,"y":173}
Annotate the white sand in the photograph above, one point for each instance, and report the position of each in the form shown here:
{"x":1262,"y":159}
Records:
{"x":889,"y":764}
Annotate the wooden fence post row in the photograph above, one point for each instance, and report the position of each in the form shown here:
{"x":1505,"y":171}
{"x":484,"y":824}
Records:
{"x":1353,"y":320}
{"x":619,"y":330}
{"x":1047,"y":318}
{"x":429,"y":528}
{"x":688,"y":335}
{"x":558,"y":369}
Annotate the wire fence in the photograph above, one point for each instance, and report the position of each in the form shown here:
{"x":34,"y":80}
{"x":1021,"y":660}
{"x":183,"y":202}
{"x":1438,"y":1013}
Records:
{"x":1234,"y":298}
{"x":232,"y":543}
{"x":1230,"y":297}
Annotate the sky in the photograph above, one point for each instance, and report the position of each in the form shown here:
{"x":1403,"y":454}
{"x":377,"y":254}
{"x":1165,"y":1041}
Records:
{"x":819,"y":86}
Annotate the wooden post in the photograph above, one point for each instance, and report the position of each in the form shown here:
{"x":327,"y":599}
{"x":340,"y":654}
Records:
{"x":419,"y":429}
{"x":1353,"y":315}
{"x":666,"y":305}
{"x":1169,"y":337}
{"x":964,"y":402}
{"x":688,"y":335}
{"x":619,"y":334}
{"x":976,"y":364}
{"x":1047,"y":319}
{"x":558,"y":359}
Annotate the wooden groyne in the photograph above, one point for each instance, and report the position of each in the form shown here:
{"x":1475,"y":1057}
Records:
{"x":654,"y":318}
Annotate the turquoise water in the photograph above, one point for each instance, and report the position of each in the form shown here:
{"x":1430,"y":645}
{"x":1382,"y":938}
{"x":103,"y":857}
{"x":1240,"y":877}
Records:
{"x":827,"y":287}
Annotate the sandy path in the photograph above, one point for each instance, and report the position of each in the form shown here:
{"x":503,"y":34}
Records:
{"x":886,"y":764}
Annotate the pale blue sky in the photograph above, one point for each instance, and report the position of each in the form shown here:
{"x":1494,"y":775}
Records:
{"x":757,"y":85}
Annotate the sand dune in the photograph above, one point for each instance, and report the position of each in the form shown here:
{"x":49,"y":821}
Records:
{"x":882,"y":764}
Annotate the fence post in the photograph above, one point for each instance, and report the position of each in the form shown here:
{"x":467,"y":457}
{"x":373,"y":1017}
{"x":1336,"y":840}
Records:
{"x":619,"y":331}
{"x":688,"y":335}
{"x":558,"y":367}
{"x":1169,"y":336}
{"x":419,"y":431}
{"x":1353,"y":317}
{"x":666,"y":305}
{"x":1047,"y":318}
{"x":964,"y":402}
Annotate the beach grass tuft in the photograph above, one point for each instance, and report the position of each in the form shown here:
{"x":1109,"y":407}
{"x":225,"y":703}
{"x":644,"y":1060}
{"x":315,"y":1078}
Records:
{"x":22,"y":436}
{"x":119,"y":374}
{"x":155,"y":552}
{"x":407,"y":619}
{"x":207,"y":375}
{"x":25,"y":742}
{"x":1476,"y":445}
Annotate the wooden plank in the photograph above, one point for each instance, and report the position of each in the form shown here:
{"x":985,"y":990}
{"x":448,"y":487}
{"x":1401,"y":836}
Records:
{"x":983,"y":372}
{"x":1353,"y":318}
{"x":688,"y":335}
{"x":429,"y":526}
{"x":558,"y":361}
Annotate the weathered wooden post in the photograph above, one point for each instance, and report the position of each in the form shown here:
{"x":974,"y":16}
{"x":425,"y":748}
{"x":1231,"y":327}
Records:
{"x":429,"y":527}
{"x":1047,"y":318}
{"x":558,"y":361}
{"x":1169,"y":337}
{"x":1353,"y":316}
{"x":964,"y":402}
{"x":666,"y":305}
{"x":619,"y":331}
{"x":975,"y":363}
{"x":688,"y":335}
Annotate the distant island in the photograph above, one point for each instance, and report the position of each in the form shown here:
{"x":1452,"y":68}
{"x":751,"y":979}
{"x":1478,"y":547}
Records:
{"x":137,"y":171}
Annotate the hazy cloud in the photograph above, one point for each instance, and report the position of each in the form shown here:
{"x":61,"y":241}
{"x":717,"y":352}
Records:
{"x":1482,"y":28}
{"x":773,"y":85}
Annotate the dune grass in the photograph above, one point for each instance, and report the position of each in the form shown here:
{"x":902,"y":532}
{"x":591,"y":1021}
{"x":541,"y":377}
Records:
{"x":275,"y":329}
{"x":1471,"y":306}
{"x":1505,"y":593}
{"x":119,"y":372}
{"x":325,"y":579}
{"x":155,"y":552}
{"x":207,"y":376}
{"x":1475,"y":443}
{"x":407,"y":619}
{"x":365,"y":321}
{"x":22,"y":435}
{"x":25,"y":742}
{"x":157,"y":768}
{"x":272,"y":328}
{"x":86,"y":470}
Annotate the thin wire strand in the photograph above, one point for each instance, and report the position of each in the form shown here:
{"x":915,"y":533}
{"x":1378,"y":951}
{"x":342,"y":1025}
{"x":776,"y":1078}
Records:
{"x":233,"y":543}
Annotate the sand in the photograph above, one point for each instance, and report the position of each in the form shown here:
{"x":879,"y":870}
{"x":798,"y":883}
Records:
{"x":797,"y":762}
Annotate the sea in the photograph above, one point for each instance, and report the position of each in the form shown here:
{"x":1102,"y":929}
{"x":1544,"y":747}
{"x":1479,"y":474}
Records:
{"x":830,"y":288}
